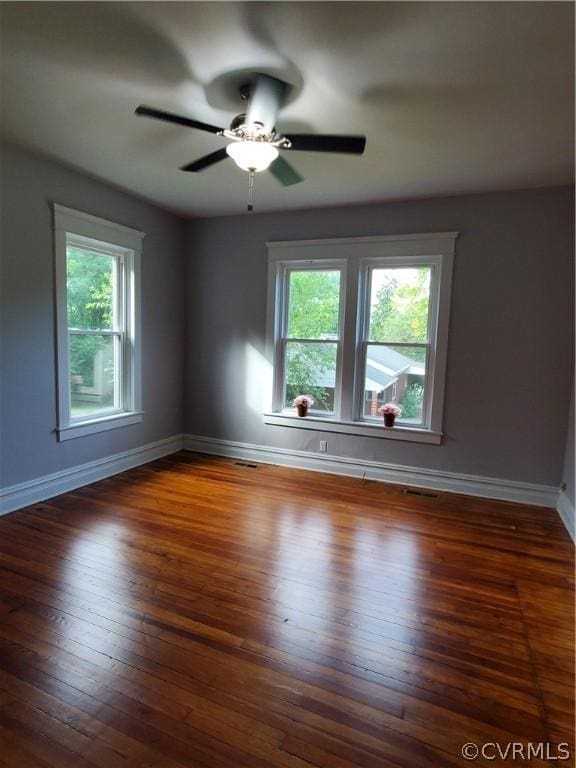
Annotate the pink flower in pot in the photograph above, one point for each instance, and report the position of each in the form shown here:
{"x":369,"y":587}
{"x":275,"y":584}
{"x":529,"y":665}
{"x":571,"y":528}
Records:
{"x":390,"y":411}
{"x":302,"y":403}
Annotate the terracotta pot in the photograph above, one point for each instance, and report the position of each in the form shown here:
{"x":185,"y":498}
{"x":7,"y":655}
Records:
{"x":302,"y":409}
{"x":389,"y":419}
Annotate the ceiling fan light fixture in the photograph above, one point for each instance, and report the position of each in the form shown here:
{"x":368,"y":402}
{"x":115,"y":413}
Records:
{"x":252,"y":155}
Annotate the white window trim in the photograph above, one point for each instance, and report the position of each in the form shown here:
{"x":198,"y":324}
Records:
{"x":285,"y":267}
{"x":358,"y":254}
{"x":127,"y":243}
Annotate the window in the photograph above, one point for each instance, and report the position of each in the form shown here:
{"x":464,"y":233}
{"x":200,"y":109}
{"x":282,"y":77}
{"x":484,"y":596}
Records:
{"x":395,"y":343}
{"x":98,"y":336}
{"x":311,"y":337}
{"x":356,"y":323}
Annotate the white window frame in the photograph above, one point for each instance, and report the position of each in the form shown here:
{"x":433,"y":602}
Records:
{"x":125,"y":245}
{"x":356,"y":256}
{"x":285,"y":269}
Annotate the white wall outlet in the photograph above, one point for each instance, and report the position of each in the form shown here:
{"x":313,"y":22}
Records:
{"x":323,"y":446}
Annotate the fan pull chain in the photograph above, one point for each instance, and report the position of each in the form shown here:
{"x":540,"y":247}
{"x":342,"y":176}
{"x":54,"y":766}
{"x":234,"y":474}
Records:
{"x":250,"y":190}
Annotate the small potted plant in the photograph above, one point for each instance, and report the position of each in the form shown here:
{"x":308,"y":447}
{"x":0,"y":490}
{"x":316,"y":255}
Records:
{"x":302,"y":403}
{"x":390,"y":411}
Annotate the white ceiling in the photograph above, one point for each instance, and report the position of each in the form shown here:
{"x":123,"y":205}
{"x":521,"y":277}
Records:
{"x":452,"y":96}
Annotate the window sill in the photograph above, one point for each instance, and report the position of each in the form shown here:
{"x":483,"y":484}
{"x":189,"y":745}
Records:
{"x":91,"y":427}
{"x":320,"y":424}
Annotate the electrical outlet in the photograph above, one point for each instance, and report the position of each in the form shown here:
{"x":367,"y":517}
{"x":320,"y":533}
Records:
{"x":323,"y":446}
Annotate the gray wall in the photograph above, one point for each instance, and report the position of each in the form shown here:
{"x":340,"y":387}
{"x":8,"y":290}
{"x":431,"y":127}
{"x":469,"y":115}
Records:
{"x":569,"y":457}
{"x":511,"y":329}
{"x":28,"y":444}
{"x":510,"y":348}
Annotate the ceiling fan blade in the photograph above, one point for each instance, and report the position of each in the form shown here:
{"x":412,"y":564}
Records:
{"x":265,"y":100}
{"x":206,"y":161}
{"x":310,"y":142}
{"x":284,"y":172}
{"x":168,"y":117}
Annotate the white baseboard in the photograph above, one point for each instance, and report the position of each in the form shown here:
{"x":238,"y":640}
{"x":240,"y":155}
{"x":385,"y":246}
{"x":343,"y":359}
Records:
{"x":565,"y":509}
{"x":42,"y":488}
{"x":469,"y":485}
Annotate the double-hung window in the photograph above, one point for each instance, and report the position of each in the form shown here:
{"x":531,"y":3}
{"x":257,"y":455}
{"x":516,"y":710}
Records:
{"x":311,"y":334}
{"x":98,"y":334}
{"x":395,"y":348}
{"x":356,"y":323}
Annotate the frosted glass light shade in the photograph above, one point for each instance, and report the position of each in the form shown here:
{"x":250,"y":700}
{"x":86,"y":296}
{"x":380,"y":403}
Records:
{"x":252,"y":155}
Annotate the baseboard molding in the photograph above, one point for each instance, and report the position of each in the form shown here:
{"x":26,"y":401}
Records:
{"x":469,"y":485}
{"x":42,"y":488}
{"x":565,"y":509}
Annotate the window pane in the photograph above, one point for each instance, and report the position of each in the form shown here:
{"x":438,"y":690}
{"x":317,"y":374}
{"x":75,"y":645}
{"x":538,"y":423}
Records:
{"x":313,"y":309}
{"x":90,"y":281}
{"x":93,"y":373}
{"x":399,"y":300}
{"x":311,"y":370}
{"x":395,"y":374}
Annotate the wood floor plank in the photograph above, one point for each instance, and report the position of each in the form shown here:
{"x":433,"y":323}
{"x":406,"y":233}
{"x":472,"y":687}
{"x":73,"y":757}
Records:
{"x":193,"y":612}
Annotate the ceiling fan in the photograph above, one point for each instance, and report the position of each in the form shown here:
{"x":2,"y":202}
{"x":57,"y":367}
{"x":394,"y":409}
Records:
{"x":254,"y":143}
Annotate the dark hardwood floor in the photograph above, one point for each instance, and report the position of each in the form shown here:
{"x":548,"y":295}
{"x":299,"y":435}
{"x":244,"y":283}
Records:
{"x":194,"y":613}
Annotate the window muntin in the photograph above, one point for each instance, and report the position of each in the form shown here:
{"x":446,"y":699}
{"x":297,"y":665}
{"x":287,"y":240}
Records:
{"x":397,"y":342}
{"x":98,"y":322}
{"x":310,"y":344}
